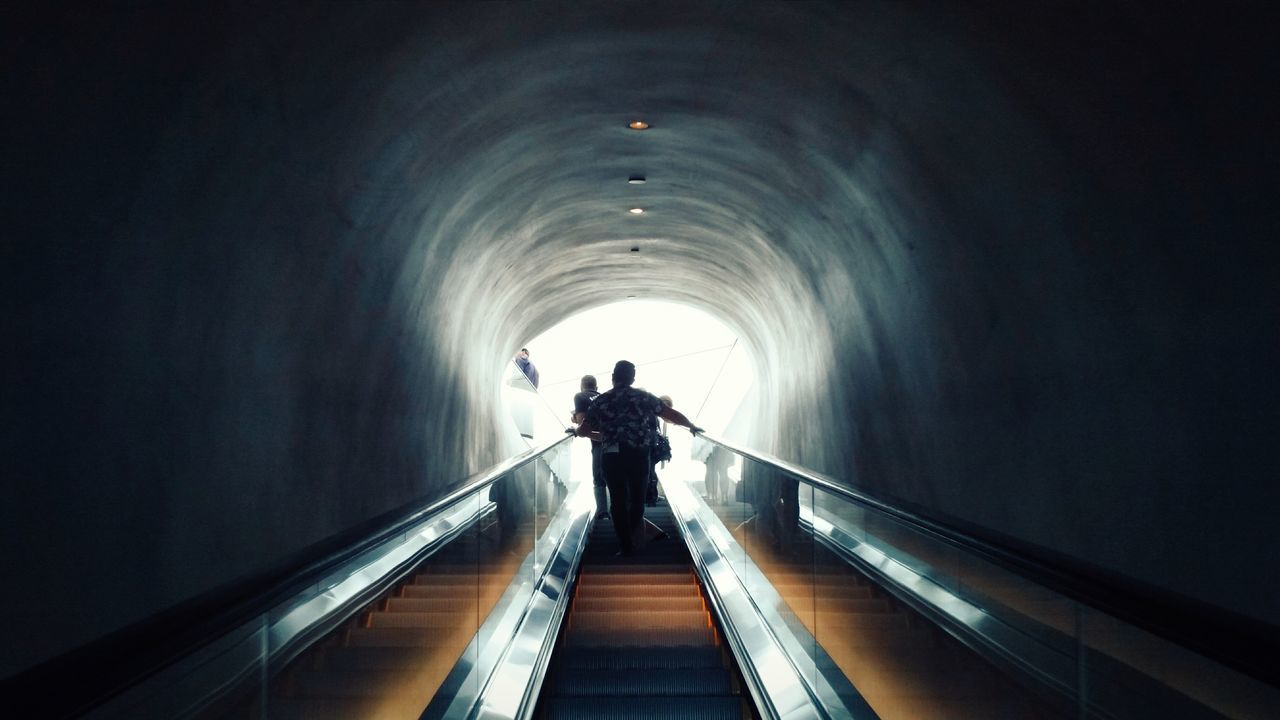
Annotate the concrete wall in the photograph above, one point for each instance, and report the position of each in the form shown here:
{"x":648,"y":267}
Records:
{"x":262,"y":271}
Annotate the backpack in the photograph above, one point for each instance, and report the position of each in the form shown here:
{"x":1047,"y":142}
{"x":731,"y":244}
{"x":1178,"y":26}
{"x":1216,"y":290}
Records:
{"x":661,"y":449}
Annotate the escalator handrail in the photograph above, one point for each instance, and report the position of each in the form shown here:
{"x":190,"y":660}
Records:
{"x":110,"y":665}
{"x":469,"y":487}
{"x":1242,"y":643}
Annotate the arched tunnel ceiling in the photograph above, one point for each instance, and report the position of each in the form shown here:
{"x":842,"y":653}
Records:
{"x":536,"y":192}
{"x":775,"y":144}
{"x":271,"y":263}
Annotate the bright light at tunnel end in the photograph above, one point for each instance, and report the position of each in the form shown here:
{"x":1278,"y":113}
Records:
{"x":679,"y":351}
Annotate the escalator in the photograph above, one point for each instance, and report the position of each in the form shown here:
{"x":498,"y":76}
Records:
{"x":905,"y":666}
{"x":927,"y":621}
{"x":639,"y":640}
{"x":387,"y":660}
{"x":794,"y":601}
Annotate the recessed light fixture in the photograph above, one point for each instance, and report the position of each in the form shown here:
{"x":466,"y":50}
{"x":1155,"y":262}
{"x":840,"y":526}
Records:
{"x":636,"y":180}
{"x":638,"y":125}
{"x":636,"y":211}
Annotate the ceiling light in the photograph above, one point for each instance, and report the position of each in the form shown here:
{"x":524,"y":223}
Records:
{"x":636,"y":211}
{"x":636,"y":180}
{"x":638,"y":125}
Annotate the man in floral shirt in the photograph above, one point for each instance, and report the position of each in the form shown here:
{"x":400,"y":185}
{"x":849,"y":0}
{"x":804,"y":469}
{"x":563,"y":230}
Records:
{"x":624,"y":421}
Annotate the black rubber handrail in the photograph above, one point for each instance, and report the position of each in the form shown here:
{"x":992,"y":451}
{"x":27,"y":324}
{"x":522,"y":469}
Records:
{"x":1243,"y":643}
{"x":79,"y":680}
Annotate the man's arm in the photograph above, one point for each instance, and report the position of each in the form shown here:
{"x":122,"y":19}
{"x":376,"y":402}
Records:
{"x":672,"y":415}
{"x":583,"y":430}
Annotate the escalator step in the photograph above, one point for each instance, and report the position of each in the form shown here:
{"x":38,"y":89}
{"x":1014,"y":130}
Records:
{"x":688,"y":603}
{"x":639,"y":658}
{"x":630,"y":580}
{"x":424,"y":590}
{"x":430,"y":604}
{"x":461,"y":580}
{"x":401,"y":637}
{"x":419,"y":619}
{"x":639,"y":641}
{"x":664,"y":553}
{"x":373,"y":658}
{"x":357,"y":683}
{"x":632,"y":568}
{"x":631,"y":708}
{"x":637,"y":619}
{"x":640,"y":637}
{"x":633,"y":594}
{"x":682,"y":681}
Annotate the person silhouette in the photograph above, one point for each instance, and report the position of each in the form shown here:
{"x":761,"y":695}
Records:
{"x":527,"y":367}
{"x":625,"y":417}
{"x":581,"y":403}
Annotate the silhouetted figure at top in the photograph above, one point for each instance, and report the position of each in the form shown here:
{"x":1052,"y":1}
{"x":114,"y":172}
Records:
{"x":625,"y":418}
{"x":527,"y":367}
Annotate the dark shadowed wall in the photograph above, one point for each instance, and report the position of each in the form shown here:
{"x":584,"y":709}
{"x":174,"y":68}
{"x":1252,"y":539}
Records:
{"x":262,"y":270}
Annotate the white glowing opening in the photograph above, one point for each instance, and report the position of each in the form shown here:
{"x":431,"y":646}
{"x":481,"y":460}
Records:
{"x":678,"y":351}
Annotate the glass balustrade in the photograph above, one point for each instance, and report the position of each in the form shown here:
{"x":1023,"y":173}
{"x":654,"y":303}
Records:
{"x":914,"y":625}
{"x":426,"y":632}
{"x":922,"y":627}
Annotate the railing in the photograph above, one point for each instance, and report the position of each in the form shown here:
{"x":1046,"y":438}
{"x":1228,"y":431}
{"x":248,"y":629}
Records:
{"x":1068,"y":636}
{"x":223,"y":649}
{"x":785,"y":672}
{"x":1060,"y":641}
{"x":501,"y":674}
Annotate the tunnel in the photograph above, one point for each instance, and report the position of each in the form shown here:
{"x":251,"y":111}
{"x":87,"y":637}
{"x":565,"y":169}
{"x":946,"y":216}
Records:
{"x":1012,"y":266}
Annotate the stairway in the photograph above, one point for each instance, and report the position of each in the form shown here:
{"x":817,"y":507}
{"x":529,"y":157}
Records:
{"x":639,"y":641}
{"x":902,"y":664}
{"x":388,"y":661}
